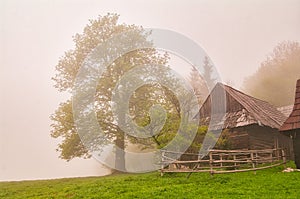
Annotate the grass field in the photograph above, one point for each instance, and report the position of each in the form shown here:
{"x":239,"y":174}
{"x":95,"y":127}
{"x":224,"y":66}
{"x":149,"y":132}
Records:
{"x":270,"y":183}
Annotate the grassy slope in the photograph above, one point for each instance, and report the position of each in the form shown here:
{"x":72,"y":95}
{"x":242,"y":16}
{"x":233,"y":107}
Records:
{"x":271,"y":183}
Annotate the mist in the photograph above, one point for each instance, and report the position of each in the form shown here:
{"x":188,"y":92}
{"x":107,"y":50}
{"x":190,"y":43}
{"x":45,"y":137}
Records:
{"x":237,"y":35}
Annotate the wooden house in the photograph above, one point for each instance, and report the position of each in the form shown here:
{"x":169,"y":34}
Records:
{"x":251,"y":123}
{"x":291,"y":126}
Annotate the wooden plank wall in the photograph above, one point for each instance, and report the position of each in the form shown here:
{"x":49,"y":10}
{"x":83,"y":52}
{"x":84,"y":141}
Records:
{"x":258,"y":137}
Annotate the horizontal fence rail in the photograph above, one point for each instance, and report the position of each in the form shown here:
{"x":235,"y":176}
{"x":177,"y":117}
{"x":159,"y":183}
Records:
{"x":223,"y":161}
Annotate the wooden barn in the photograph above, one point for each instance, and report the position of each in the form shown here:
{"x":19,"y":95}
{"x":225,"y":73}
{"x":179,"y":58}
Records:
{"x":251,"y":123}
{"x":291,"y":127}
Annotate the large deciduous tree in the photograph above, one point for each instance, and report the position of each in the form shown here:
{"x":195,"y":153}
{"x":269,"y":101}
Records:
{"x":275,"y":80}
{"x":142,"y":100}
{"x":95,"y":33}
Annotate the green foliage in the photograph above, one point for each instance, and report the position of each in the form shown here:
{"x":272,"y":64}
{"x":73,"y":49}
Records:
{"x":270,"y":183}
{"x":63,"y":126}
{"x":95,"y":33}
{"x":276,"y":78}
{"x":198,"y":140}
{"x":224,"y":142}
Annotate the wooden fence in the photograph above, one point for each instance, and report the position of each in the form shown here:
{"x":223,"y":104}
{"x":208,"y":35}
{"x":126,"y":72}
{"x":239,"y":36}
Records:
{"x":224,"y":161}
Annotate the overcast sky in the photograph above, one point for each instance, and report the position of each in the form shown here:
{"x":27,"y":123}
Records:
{"x":237,"y":35}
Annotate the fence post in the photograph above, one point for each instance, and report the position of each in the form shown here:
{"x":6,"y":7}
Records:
{"x":221,"y":158}
{"x":252,"y":160}
{"x":211,"y":162}
{"x":283,"y":157}
{"x":234,"y":158}
{"x":162,"y":164}
{"x":271,"y":157}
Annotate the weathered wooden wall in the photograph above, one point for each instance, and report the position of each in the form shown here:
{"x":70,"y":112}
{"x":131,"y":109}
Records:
{"x":296,"y":143}
{"x":258,"y":137}
{"x":286,"y":142}
{"x":239,"y":138}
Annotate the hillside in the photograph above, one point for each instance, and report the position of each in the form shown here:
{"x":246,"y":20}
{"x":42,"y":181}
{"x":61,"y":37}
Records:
{"x":270,"y":183}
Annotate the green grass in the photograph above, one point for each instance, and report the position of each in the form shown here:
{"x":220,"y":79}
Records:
{"x":270,"y":183}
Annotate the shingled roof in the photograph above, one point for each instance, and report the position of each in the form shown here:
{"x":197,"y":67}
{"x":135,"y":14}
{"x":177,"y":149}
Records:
{"x":241,"y":110}
{"x":293,"y":121}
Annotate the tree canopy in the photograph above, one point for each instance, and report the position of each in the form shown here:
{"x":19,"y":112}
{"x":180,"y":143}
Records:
{"x":96,"y":32}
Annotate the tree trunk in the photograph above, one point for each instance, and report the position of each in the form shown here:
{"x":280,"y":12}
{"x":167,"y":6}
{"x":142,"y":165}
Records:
{"x":120,"y":154}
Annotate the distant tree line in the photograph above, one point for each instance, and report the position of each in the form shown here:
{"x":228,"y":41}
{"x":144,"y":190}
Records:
{"x":276,"y":78}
